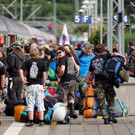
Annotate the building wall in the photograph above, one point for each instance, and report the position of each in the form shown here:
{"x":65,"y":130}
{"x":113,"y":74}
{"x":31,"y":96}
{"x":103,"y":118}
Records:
{"x":126,"y":94}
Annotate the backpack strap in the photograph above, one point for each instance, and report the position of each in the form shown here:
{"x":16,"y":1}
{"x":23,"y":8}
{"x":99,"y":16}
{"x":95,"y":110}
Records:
{"x":82,"y":53}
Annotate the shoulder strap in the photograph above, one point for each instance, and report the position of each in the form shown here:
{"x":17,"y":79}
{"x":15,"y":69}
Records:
{"x":82,"y":53}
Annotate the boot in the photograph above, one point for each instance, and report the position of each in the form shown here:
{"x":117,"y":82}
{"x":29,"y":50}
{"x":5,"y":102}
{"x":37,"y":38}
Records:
{"x":72,"y":111}
{"x":112,"y":118}
{"x":106,"y":121}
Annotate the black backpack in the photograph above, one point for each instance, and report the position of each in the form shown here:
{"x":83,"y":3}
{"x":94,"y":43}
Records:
{"x":9,"y":110}
{"x":112,"y":68}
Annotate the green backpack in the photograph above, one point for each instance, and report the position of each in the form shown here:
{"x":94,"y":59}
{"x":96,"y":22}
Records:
{"x":51,"y":74}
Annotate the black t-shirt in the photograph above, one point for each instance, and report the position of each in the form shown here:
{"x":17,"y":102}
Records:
{"x":27,"y":57}
{"x":46,"y":62}
{"x":69,"y":73}
{"x":97,"y":66}
{"x":35,"y":69}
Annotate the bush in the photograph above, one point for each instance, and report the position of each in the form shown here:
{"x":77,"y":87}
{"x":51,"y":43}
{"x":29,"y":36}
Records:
{"x":95,"y":37}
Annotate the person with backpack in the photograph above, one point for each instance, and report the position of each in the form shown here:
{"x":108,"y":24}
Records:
{"x":85,"y":58}
{"x":36,"y":70}
{"x":104,"y":87}
{"x":14,"y":64}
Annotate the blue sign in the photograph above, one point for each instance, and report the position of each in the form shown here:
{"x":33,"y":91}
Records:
{"x":82,"y":19}
{"x":126,"y":19}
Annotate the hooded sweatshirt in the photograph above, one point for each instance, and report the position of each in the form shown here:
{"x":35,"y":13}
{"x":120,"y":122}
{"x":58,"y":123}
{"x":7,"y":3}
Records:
{"x":14,"y":64}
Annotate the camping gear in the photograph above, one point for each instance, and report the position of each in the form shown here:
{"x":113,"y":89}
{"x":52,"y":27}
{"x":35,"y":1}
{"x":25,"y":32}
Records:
{"x":18,"y":112}
{"x":112,"y":68}
{"x":48,"y":115}
{"x":60,"y":111}
{"x":90,"y":104}
{"x":9,"y":110}
{"x":120,"y":109}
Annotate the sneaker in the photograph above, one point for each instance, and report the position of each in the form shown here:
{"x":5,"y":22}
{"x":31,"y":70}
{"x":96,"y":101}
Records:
{"x":41,"y":124}
{"x":30,"y":124}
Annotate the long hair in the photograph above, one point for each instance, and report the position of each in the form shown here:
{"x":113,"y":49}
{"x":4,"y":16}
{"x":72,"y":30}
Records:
{"x":72,"y":52}
{"x":3,"y":52}
{"x":34,"y":53}
{"x":64,"y":50}
{"x":18,"y":50}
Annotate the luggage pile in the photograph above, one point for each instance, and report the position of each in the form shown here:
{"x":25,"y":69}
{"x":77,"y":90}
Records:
{"x":91,"y":106}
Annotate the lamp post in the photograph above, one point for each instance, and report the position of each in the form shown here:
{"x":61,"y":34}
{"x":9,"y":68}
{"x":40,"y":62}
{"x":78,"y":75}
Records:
{"x":89,"y":8}
{"x":101,"y":21}
{"x":21,"y":11}
{"x":54,"y":19}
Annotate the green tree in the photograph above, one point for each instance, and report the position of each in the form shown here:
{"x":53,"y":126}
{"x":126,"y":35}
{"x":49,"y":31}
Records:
{"x":95,"y":37}
{"x":81,"y":28}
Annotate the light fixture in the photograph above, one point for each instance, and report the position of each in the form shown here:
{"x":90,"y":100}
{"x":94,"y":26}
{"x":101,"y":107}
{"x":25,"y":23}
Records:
{"x":81,"y":10}
{"x":92,"y":2}
{"x":84,"y":7}
{"x":85,"y":2}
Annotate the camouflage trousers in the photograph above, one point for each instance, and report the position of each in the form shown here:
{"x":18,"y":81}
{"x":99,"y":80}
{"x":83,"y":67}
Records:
{"x":82,"y":89}
{"x":66,"y":91}
{"x":105,"y":93}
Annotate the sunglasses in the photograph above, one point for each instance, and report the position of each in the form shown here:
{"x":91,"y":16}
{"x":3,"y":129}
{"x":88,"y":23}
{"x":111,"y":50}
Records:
{"x":58,"y":53}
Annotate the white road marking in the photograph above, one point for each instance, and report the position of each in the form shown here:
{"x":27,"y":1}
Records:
{"x":14,"y":128}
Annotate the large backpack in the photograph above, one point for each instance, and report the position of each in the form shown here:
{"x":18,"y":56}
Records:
{"x":112,"y":68}
{"x":90,"y":104}
{"x":120,"y":108}
{"x":48,"y":115}
{"x":10,"y":104}
{"x":51,"y":74}
{"x":18,"y":110}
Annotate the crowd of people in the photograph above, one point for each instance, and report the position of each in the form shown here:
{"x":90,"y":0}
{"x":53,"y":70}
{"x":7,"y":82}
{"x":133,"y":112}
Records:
{"x":26,"y":65}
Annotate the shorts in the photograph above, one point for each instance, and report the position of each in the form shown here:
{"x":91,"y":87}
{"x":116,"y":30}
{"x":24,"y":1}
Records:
{"x":35,"y":94}
{"x":66,"y":91}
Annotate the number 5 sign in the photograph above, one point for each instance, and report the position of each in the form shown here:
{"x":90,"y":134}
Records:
{"x":82,"y":19}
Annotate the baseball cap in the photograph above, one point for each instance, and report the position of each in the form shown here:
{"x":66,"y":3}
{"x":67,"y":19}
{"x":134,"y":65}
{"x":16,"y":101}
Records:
{"x":17,"y":44}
